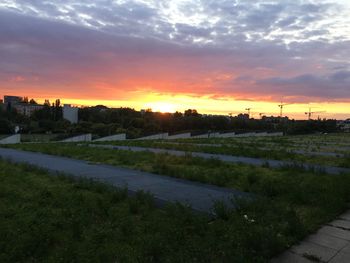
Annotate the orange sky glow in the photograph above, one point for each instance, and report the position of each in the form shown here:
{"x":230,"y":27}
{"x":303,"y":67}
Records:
{"x":209,"y":105}
{"x":217,"y":57}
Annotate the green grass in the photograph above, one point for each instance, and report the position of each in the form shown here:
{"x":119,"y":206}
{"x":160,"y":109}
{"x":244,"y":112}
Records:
{"x":236,"y":148}
{"x":319,"y":140}
{"x":45,"y":218}
{"x":315,"y":198}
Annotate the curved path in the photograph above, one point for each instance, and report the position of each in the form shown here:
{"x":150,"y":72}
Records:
{"x":200,"y":197}
{"x":310,"y":153}
{"x":230,"y":158}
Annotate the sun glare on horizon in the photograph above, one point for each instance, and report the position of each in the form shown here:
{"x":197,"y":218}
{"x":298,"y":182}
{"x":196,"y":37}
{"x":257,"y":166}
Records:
{"x":159,"y":106}
{"x":246,"y":54}
{"x":164,"y":117}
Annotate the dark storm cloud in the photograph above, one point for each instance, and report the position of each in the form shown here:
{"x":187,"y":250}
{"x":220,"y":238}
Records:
{"x":342,"y":77}
{"x":308,"y":85}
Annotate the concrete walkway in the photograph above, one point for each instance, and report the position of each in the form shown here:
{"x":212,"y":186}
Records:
{"x":200,"y":197}
{"x":229,"y":158}
{"x":330,"y":244}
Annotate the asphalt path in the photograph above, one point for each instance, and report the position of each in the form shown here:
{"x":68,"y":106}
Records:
{"x":201,"y":197}
{"x":230,"y":158}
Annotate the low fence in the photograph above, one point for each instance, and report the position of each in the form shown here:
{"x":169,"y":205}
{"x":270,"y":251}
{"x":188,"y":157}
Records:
{"x":12,"y":139}
{"x":160,"y":136}
{"x":79,"y":138}
{"x":179,"y":136}
{"x":116,"y":137}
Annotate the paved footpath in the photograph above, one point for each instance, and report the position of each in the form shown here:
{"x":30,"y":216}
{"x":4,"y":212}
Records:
{"x":330,"y":244}
{"x":229,"y":158}
{"x":200,"y":197}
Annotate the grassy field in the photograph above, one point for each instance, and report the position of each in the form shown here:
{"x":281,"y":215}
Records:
{"x":336,"y":138}
{"x":63,"y":219}
{"x":46,"y":218}
{"x":288,"y":195}
{"x":299,"y":141}
{"x":275,"y":148}
{"x":326,"y":142}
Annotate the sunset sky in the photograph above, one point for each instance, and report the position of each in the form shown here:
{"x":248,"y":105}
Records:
{"x":217,"y":56}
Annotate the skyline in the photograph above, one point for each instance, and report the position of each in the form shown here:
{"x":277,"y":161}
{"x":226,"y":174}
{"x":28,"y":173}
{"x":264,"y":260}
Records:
{"x":292,"y":111}
{"x":215,"y":56}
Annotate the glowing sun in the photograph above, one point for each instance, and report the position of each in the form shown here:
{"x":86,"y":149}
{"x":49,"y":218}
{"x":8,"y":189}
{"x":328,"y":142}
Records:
{"x":161,"y":106}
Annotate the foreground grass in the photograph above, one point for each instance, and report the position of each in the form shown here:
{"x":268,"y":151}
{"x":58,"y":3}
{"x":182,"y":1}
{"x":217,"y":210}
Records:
{"x":314,"y":198}
{"x":46,"y":218}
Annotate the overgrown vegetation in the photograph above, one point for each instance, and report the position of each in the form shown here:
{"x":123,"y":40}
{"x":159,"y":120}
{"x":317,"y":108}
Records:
{"x":269,"y":149}
{"x":47,"y":218}
{"x":314,"y":198}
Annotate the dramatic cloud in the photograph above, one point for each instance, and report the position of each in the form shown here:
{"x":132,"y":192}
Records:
{"x":111,"y":49}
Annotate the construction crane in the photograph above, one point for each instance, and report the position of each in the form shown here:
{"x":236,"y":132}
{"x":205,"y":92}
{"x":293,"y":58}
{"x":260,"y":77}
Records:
{"x":248,"y":109}
{"x":281,"y":108}
{"x":309,"y":113}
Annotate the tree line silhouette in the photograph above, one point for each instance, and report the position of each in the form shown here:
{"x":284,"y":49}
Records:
{"x":104,"y":121}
